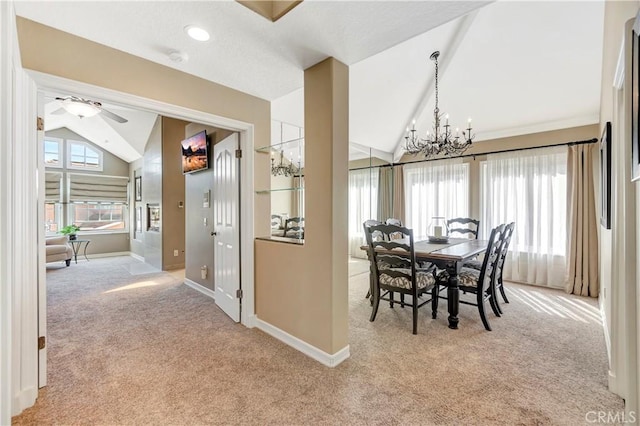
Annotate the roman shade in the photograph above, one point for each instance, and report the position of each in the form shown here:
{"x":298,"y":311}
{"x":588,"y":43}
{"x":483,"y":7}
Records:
{"x":52,"y":187}
{"x":83,"y":188}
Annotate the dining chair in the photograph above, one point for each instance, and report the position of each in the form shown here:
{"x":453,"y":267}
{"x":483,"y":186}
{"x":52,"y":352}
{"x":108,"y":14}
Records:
{"x":294,"y":227}
{"x":479,"y":282}
{"x":377,"y":236}
{"x":506,"y":240}
{"x":463,"y":227}
{"x":396,"y":222}
{"x":277,"y":225}
{"x":504,"y":250}
{"x":395,"y":270}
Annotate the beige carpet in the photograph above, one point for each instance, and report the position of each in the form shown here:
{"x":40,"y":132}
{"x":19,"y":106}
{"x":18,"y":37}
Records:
{"x":146,"y":349}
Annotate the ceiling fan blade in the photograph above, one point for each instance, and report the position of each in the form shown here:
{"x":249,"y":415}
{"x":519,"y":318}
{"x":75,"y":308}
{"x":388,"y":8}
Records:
{"x":114,"y":117}
{"x":59,"y":111}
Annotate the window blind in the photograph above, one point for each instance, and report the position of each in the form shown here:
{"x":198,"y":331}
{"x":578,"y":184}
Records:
{"x":84,"y":188}
{"x":52,"y":187}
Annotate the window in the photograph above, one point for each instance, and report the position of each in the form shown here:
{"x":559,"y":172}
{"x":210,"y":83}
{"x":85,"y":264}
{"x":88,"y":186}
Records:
{"x":52,"y":217}
{"x":97,"y":216}
{"x":52,"y":152}
{"x":82,"y":156}
{"x":98,"y":202}
{"x":530,"y":189}
{"x":439,"y":188}
{"x":363,"y":205}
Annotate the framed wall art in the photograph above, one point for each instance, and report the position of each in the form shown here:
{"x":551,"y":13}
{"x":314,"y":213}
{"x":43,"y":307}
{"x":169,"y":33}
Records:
{"x":138,"y":188}
{"x":153,"y":217}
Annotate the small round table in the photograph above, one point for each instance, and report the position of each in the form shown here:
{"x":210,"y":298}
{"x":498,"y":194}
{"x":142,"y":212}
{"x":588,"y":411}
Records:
{"x":76,"y":245}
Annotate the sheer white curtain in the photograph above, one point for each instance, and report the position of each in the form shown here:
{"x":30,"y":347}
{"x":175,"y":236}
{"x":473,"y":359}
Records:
{"x":530,"y":188}
{"x":363,"y":205}
{"x":435,"y":188}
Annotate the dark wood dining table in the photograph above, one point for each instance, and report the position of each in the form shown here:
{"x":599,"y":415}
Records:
{"x":450,"y":256}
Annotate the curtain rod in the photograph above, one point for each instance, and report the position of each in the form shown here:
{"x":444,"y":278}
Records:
{"x":594,"y":140}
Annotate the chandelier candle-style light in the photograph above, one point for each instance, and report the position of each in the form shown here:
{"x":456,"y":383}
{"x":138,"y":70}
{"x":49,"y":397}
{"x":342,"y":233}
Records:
{"x":285,"y":167}
{"x":442,"y":141}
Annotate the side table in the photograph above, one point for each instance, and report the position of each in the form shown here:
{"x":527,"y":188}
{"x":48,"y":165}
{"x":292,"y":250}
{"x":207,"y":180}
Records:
{"x":76,"y":245}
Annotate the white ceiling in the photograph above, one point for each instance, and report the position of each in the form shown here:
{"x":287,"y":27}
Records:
{"x":515,"y":67}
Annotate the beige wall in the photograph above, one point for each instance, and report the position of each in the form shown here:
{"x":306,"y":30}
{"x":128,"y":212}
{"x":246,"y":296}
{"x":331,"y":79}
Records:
{"x":173,"y":216}
{"x":302,"y":289}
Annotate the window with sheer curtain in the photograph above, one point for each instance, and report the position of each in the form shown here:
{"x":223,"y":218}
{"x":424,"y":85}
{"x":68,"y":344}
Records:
{"x":363,"y":205}
{"x":530,"y":188}
{"x":436,"y":188}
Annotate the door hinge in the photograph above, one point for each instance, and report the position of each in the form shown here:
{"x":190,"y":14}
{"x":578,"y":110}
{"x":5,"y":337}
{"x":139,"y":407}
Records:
{"x":238,"y":153}
{"x":42,"y":342}
{"x":40,"y":124}
{"x":239,"y":293}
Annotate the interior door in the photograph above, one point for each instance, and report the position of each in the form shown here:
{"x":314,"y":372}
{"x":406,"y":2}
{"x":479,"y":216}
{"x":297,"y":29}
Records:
{"x":226,"y":190}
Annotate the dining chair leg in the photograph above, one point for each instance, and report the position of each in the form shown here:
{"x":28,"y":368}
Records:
{"x":434,"y":301}
{"x":391,"y":299}
{"x":375,"y":302}
{"x":504,"y":296}
{"x":402,"y":300}
{"x":493,"y":299}
{"x":415,"y":316}
{"x":483,"y":315}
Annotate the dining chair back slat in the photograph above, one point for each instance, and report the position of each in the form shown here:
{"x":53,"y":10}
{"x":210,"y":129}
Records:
{"x":464,"y":227}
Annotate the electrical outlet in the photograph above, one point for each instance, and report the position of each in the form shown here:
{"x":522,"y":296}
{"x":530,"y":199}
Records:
{"x":175,"y":252}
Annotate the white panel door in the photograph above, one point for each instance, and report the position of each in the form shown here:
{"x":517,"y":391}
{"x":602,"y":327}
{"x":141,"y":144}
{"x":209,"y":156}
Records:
{"x":226,"y":226}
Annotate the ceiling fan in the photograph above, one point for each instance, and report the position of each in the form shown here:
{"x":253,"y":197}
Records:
{"x":85,"y":108}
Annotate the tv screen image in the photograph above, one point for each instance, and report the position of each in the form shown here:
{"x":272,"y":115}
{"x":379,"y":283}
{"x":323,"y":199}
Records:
{"x":194,"y":153}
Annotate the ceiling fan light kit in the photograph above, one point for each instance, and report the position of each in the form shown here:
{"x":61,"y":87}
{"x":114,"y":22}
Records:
{"x":82,"y":108}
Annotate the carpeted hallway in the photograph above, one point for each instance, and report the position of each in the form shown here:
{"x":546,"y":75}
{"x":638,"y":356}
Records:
{"x":128,"y":345}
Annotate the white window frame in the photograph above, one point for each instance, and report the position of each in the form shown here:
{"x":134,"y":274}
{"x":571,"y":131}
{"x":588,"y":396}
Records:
{"x":125,"y":218}
{"x":60,"y":142}
{"x":85,"y":145}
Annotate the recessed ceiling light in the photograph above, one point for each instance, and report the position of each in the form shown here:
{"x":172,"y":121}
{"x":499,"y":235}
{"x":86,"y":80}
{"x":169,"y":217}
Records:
{"x":197,"y":33}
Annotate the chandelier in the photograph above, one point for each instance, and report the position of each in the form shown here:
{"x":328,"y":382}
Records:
{"x":284,"y":167}
{"x":441,"y":141}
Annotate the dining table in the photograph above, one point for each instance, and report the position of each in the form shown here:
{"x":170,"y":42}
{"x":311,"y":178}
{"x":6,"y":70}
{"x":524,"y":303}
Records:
{"x":450,"y":256}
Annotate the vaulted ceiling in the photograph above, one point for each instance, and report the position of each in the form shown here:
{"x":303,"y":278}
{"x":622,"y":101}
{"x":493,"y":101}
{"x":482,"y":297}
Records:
{"x":514,"y":67}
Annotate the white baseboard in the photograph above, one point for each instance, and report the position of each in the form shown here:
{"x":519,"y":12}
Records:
{"x":99,"y":255}
{"x":23,"y":400}
{"x":302,"y":346}
{"x":136,"y":256}
{"x":202,"y":289}
{"x":250,"y":322}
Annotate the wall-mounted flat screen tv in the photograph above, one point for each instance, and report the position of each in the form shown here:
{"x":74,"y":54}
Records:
{"x":195,"y":155}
